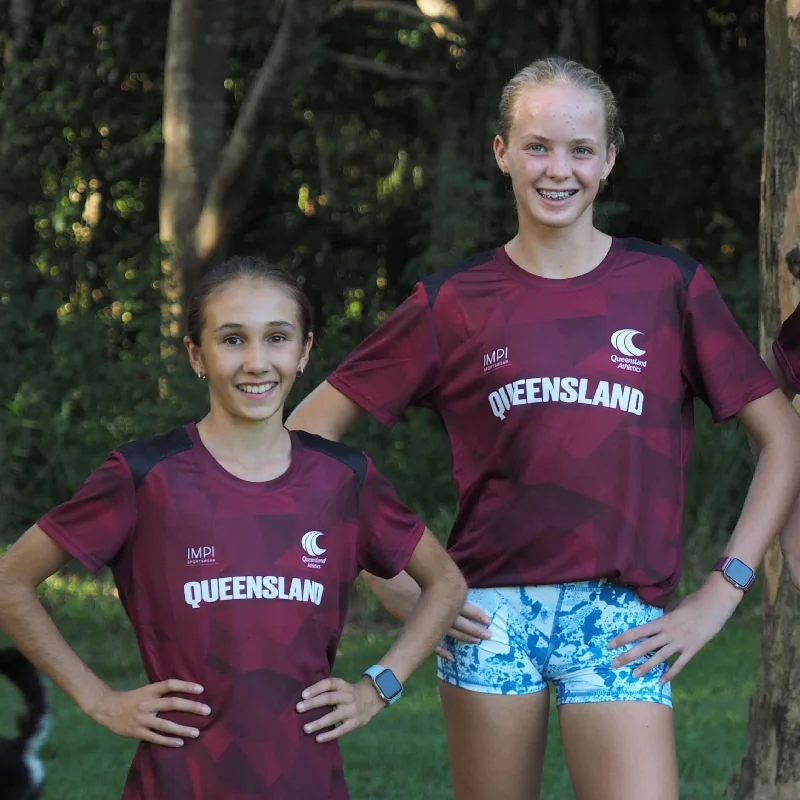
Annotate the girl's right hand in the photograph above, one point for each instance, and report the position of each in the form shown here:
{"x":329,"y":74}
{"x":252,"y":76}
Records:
{"x":471,"y":626}
{"x":134,"y":714}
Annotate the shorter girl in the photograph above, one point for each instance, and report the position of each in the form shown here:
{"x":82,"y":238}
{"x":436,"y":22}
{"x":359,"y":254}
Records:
{"x":234,"y":545}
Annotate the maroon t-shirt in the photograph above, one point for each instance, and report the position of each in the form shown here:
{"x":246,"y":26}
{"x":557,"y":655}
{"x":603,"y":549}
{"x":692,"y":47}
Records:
{"x":786,"y":349}
{"x":243,"y":588}
{"x":568,"y":405}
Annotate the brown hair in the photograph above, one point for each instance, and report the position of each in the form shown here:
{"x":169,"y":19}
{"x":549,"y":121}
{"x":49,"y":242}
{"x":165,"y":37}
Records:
{"x":550,"y":70}
{"x":233,"y":269}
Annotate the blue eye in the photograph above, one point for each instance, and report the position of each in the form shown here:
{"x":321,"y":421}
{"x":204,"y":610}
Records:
{"x":583,"y":151}
{"x":536,"y":147}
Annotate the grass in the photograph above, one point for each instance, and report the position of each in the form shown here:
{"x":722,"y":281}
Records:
{"x":402,"y":754}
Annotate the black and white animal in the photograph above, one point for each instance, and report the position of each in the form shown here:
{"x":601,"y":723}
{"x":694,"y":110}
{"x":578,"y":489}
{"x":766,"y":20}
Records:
{"x":21,"y":770}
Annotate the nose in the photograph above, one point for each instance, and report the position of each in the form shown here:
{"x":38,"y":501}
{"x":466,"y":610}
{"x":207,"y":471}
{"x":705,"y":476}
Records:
{"x":558,"y":165}
{"x":257,"y":358}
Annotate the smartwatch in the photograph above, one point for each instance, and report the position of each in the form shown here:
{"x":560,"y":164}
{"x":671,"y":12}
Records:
{"x":735,"y":572}
{"x":386,"y":684}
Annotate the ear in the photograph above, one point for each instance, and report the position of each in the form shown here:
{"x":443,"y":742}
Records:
{"x":305,"y":353}
{"x":500,"y":150}
{"x":195,"y":357}
{"x":611,"y":159}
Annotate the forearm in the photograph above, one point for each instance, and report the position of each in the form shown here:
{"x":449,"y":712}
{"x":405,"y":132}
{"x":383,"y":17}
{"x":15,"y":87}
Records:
{"x":25,"y":621}
{"x":397,"y":595}
{"x":769,"y":501}
{"x":438,"y":606}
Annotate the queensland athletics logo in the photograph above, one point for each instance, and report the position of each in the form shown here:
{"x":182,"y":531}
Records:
{"x":622,"y":342}
{"x":310,"y":543}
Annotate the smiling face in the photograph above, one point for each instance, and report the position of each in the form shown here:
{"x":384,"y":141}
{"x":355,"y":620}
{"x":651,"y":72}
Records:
{"x":556,"y":153}
{"x":251,"y":348}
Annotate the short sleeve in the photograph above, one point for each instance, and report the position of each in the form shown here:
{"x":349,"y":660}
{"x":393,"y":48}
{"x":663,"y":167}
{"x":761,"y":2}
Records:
{"x":388,"y":530}
{"x":100,"y":517}
{"x":786,"y":350}
{"x":397,"y":365}
{"x":720,"y":364}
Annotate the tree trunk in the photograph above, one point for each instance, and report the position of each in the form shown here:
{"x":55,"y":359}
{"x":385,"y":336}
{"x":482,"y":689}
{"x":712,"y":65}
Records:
{"x":199,"y":38}
{"x":207,"y":180}
{"x":770,"y":769}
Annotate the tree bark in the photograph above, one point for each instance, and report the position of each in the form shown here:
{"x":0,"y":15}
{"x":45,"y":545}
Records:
{"x":206,"y":181}
{"x":199,"y":37}
{"x":770,"y":769}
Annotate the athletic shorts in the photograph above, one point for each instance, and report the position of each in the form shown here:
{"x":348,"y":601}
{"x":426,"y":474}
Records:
{"x":556,"y":634}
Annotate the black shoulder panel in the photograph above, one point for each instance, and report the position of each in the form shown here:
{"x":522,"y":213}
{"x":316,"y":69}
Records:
{"x":143,"y":454}
{"x":686,"y":264}
{"x":435,"y":282}
{"x":351,"y":457}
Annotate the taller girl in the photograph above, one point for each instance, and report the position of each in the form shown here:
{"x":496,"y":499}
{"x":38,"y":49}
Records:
{"x":564,"y":366}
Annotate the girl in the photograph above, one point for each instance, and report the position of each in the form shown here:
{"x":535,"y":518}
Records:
{"x":563,"y":366}
{"x":234,"y":545}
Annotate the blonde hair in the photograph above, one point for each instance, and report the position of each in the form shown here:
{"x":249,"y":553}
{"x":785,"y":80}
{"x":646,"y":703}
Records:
{"x":550,"y":70}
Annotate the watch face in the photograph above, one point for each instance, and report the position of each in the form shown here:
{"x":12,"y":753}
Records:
{"x":739,"y":572}
{"x":388,"y":684}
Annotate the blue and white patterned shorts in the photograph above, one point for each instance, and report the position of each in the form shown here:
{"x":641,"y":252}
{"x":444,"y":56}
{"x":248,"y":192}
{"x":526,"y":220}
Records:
{"x":556,"y":634}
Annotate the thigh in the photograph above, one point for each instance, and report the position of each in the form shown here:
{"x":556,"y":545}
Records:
{"x":496,"y":743}
{"x":620,"y":750}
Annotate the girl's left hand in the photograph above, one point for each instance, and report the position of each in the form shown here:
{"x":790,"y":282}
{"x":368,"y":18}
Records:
{"x":354,"y":705}
{"x":685,"y":630}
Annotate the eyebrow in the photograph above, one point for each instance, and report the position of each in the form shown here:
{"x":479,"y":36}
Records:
{"x":237,"y":326}
{"x":582,"y":140}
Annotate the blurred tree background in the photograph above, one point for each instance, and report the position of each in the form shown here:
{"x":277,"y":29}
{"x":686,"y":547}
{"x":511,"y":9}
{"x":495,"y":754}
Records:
{"x":364,"y":162}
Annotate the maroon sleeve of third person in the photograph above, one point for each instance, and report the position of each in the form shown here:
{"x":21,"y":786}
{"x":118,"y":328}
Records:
{"x":786,"y":350}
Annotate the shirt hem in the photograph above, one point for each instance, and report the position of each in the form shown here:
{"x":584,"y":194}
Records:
{"x":761,"y":389}
{"x":63,"y":540}
{"x":396,"y":569}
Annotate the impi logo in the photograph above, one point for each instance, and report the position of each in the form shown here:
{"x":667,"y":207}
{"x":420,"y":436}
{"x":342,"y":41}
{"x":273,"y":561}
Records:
{"x":200,"y":555}
{"x":495,"y":359}
{"x":310,"y":543}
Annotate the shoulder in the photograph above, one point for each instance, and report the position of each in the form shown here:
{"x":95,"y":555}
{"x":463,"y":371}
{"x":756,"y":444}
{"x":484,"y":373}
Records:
{"x":432,"y":285}
{"x":663,"y":256}
{"x":144,"y":454}
{"x":351,"y":457}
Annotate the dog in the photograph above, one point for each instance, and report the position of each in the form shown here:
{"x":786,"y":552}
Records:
{"x":22,"y":773}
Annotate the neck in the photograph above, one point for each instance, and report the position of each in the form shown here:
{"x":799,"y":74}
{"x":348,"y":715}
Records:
{"x":558,"y":252}
{"x":255,"y":445}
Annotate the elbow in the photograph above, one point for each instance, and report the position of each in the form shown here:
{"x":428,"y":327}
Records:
{"x":456,"y":584}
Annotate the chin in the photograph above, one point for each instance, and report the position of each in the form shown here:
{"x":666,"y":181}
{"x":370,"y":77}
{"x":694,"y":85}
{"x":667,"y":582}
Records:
{"x":258,"y":414}
{"x":559,"y":219}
